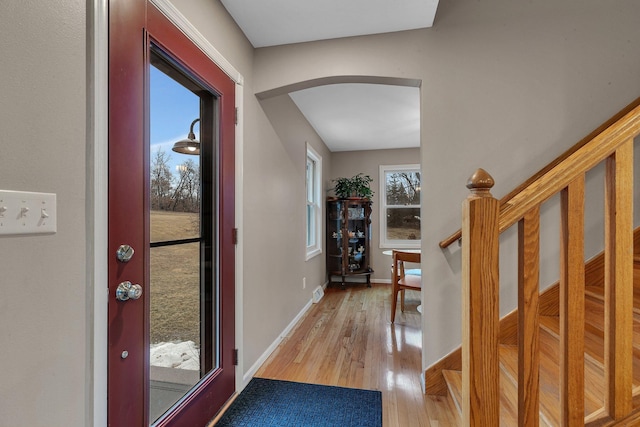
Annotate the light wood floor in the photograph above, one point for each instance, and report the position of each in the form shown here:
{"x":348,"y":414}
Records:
{"x":347,"y":340}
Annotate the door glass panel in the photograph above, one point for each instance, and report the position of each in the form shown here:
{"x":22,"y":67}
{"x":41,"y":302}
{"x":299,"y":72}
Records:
{"x":182,"y":333}
{"x":174,"y":324}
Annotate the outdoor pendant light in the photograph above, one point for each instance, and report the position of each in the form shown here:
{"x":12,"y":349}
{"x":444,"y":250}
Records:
{"x":190,"y":145}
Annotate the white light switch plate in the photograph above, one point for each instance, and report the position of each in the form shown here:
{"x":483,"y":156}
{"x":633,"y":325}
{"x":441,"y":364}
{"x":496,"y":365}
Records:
{"x":23,"y":212}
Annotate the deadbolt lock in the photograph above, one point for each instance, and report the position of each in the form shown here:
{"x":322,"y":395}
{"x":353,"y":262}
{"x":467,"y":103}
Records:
{"x":124,"y":253}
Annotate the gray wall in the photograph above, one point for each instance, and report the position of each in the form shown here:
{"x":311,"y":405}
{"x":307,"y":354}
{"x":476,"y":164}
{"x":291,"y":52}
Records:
{"x":294,"y":133}
{"x":274,"y":224}
{"x":505,"y":86}
{"x":43,"y":278}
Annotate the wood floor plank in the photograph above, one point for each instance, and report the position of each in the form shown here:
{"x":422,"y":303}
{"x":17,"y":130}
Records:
{"x":347,"y":340}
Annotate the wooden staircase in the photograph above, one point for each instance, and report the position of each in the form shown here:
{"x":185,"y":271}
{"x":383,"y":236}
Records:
{"x":549,"y":336}
{"x":569,"y":356}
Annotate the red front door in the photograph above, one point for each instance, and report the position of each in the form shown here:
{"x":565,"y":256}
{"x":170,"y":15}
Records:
{"x":171,"y":249}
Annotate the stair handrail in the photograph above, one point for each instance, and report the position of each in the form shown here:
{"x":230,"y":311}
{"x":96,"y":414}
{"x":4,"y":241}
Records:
{"x":506,"y":200}
{"x":576,"y":164}
{"x":484,"y":218}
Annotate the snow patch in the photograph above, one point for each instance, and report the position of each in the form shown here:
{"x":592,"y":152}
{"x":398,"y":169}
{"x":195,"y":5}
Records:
{"x":179,"y":355}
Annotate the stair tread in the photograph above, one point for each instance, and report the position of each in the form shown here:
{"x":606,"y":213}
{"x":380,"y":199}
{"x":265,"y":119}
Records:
{"x":508,"y":396}
{"x":509,"y":363}
{"x":597,"y":291}
{"x":549,"y":364}
{"x":549,"y":383}
{"x":594,"y":317}
{"x":454,"y":384}
{"x":594,"y":343}
{"x":550,"y":375}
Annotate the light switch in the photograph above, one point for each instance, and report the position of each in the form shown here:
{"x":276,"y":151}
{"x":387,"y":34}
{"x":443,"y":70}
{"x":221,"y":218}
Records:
{"x":23,"y":212}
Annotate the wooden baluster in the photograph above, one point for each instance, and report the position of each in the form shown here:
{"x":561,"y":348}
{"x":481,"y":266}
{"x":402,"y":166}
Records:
{"x":528,"y":319}
{"x":618,"y":282}
{"x":480,"y":309}
{"x":572,"y":304}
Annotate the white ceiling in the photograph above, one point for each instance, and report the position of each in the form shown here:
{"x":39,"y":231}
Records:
{"x":358,"y":116}
{"x":346,"y":116}
{"x":276,"y":22}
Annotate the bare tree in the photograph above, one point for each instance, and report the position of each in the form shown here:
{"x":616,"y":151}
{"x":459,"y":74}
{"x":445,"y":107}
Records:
{"x":403,"y":189}
{"x":411,"y":182}
{"x":186,"y":196}
{"x":161,"y":178}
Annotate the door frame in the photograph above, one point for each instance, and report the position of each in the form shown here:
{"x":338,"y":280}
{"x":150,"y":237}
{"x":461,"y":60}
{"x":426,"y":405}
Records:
{"x":97,"y":196}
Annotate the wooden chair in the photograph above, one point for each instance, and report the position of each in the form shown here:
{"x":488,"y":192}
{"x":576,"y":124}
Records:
{"x":400,"y":281}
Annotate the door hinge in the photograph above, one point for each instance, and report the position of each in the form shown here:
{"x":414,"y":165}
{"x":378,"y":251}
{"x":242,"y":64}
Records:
{"x":234,"y":236}
{"x":236,"y":116}
{"x":235,"y":357}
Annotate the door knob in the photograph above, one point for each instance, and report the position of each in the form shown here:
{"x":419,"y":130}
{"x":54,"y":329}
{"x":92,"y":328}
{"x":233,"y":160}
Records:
{"x":126,"y":290}
{"x":124,"y":253}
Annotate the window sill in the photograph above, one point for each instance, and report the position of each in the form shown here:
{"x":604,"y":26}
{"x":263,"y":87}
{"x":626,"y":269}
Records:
{"x":312,"y":254}
{"x":404,"y":244}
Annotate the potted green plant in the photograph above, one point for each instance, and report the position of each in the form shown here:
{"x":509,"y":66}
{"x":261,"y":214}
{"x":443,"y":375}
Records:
{"x":342,"y":187}
{"x":361,"y":186}
{"x":358,"y":186}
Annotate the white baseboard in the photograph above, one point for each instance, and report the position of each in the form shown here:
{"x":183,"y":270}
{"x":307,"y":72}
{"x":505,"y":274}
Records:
{"x":254,"y":368}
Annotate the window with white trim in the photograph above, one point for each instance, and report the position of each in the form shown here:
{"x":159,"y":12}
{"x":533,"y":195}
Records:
{"x":314,"y":207}
{"x":400,"y":206}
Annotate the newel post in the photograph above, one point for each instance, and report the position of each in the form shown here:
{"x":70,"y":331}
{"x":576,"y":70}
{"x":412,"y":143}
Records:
{"x":480,"y":310}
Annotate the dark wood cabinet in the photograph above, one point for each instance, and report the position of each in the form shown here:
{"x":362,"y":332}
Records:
{"x":348,"y":240}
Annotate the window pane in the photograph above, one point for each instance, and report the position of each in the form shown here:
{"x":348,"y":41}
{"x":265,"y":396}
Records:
{"x":310,"y":180}
{"x":313,"y":179}
{"x":403,"y":223}
{"x":168,"y":225}
{"x":175,"y":308}
{"x":403,"y":188}
{"x":175,"y":294}
{"x":311,"y":225}
{"x":174,"y":177}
